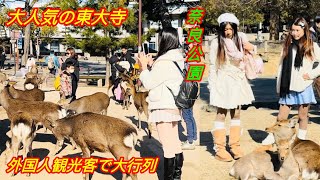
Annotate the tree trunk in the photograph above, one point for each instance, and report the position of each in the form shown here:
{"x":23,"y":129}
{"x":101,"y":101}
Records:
{"x":26,"y":36}
{"x":274,"y":21}
{"x":26,"y":44}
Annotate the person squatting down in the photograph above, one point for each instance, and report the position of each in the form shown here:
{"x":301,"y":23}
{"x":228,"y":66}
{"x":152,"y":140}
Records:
{"x":164,"y":112}
{"x":295,"y":76}
{"x":228,"y":85}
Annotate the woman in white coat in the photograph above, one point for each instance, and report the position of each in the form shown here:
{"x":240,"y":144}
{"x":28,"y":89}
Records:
{"x":228,"y":84}
{"x":164,"y":75}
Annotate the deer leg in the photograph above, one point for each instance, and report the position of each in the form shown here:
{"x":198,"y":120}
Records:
{"x":139,"y":121}
{"x":15,"y":148}
{"x":104,"y":112}
{"x":73,"y":144}
{"x":149,"y":129}
{"x":145,"y":110}
{"x":128,"y":103}
{"x":123,"y":151}
{"x":58,"y":145}
{"x":28,"y":148}
{"x":86,"y":154}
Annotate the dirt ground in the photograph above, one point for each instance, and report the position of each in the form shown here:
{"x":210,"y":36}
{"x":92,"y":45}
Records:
{"x":44,"y":143}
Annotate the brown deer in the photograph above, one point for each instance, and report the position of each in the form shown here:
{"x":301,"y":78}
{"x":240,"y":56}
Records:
{"x":34,"y":94}
{"x":23,"y":131}
{"x":305,"y":152}
{"x":95,"y":132}
{"x":96,"y":103}
{"x":141,"y":104}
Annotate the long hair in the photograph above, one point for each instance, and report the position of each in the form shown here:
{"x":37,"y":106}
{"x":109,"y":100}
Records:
{"x":168,"y":40}
{"x":305,"y":42}
{"x":221,"y":54}
{"x":72,"y":52}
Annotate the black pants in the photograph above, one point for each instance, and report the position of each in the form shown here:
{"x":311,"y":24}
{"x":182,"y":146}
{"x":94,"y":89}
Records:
{"x":2,"y":64}
{"x":74,"y":86}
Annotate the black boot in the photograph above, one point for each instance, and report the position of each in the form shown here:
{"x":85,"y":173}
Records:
{"x":168,"y":168}
{"x":178,"y":166}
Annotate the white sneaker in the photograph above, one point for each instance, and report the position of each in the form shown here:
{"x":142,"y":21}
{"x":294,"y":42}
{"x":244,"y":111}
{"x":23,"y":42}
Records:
{"x":188,"y":146}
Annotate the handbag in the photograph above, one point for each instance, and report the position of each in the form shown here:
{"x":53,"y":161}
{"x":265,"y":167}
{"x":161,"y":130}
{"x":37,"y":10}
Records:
{"x":253,"y":67}
{"x":57,"y":85}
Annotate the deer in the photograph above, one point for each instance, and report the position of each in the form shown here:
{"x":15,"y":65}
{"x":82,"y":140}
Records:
{"x":126,"y":100}
{"x":34,"y":94}
{"x":305,"y":152}
{"x":255,"y":165}
{"x":40,"y":111}
{"x":282,"y":129}
{"x":289,"y":167}
{"x":96,"y":132}
{"x":23,"y":132}
{"x":96,"y":103}
{"x":140,"y":102}
{"x":32,"y":81}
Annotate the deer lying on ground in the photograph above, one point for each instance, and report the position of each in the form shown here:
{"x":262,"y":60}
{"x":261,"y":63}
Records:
{"x":141,"y":104}
{"x":96,"y":103}
{"x":258,"y":163}
{"x":28,"y":95}
{"x":289,"y":167}
{"x":23,"y":131}
{"x":282,"y":129}
{"x":307,"y":155}
{"x":95,"y":132}
{"x":305,"y":152}
{"x":255,"y":165}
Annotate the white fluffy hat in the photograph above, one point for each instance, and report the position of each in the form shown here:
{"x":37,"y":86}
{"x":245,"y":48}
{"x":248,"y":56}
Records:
{"x":228,"y":17}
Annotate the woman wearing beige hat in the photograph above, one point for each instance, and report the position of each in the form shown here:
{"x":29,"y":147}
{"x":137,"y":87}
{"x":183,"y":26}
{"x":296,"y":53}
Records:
{"x":228,"y":85}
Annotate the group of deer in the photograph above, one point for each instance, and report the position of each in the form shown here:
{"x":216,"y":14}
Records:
{"x":83,"y":122}
{"x":298,"y":159}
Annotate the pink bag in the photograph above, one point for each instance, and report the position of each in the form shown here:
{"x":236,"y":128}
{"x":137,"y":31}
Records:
{"x":118,"y":93}
{"x":253,"y":67}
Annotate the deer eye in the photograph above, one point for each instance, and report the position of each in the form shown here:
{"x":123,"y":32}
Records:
{"x":279,"y":125}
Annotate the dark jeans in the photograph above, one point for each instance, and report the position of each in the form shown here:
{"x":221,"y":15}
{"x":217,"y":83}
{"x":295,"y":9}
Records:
{"x":1,"y":64}
{"x":74,"y":86}
{"x":187,"y":115}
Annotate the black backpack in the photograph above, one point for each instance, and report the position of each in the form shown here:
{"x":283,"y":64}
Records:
{"x":188,"y":93}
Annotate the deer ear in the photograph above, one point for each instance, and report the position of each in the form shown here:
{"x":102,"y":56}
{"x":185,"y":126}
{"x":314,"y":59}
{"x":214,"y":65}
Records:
{"x":5,"y":83}
{"x":293,"y":122}
{"x":8,"y":145}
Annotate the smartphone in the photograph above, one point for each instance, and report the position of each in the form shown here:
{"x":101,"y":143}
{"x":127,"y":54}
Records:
{"x":145,"y":48}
